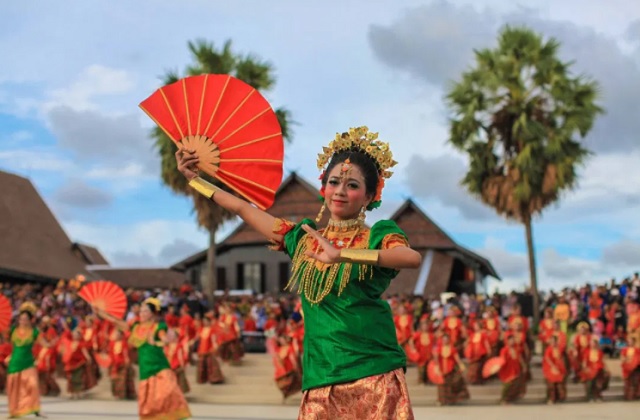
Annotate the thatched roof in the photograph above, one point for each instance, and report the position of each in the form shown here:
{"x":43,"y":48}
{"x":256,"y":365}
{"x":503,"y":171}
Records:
{"x":33,"y":245}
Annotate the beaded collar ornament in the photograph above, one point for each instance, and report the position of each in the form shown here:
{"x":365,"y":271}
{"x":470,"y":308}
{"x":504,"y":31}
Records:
{"x":359,"y":139}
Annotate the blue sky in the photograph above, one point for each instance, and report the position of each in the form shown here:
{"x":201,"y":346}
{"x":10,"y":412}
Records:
{"x":77,"y":70}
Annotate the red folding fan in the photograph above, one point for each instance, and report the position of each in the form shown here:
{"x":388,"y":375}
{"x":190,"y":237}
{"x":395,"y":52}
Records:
{"x":434,"y":373}
{"x":492,"y":366}
{"x":5,"y":313}
{"x":230,"y":125}
{"x":105,"y":295}
{"x":103,"y":360}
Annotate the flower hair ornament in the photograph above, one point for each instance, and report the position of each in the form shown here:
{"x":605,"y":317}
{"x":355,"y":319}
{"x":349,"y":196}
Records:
{"x":360,"y":139}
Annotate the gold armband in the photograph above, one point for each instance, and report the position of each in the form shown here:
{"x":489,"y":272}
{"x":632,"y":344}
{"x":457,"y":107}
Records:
{"x":203,"y":187}
{"x":360,"y":256}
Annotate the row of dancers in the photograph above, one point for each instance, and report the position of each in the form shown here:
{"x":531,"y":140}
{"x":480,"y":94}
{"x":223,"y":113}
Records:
{"x":445,"y":345}
{"x":33,"y":357}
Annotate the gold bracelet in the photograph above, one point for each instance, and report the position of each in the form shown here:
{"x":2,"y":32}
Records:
{"x":360,"y":256}
{"x":203,"y":187}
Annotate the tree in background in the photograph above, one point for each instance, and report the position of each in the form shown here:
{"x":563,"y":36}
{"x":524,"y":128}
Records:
{"x":519,"y":114}
{"x":207,"y":59}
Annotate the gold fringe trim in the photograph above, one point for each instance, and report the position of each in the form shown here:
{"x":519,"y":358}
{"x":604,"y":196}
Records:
{"x":317,"y":283}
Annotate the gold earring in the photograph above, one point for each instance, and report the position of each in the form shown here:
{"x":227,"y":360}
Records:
{"x":324,"y":206}
{"x":362,"y":215}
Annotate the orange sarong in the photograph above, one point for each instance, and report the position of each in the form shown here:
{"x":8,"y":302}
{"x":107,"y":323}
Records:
{"x":160,"y":398}
{"x":382,"y":396}
{"x":23,"y":391}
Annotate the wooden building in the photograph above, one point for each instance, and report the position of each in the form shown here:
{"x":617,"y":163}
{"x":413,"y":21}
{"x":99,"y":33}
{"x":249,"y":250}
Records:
{"x":35,"y":248}
{"x":244,"y":262}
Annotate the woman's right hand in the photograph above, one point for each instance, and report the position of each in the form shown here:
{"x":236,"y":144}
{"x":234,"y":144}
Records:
{"x":187,"y":161}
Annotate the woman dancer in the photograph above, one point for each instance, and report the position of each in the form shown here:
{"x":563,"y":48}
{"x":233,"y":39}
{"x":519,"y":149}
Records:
{"x":22,"y":377}
{"x":631,"y":370}
{"x":78,"y":366}
{"x":513,"y":373}
{"x":121,"y":372}
{"x":208,"y":367}
{"x":554,"y":369}
{"x":477,"y":351}
{"x":593,"y":372}
{"x":159,"y":395}
{"x":454,"y":389}
{"x":177,"y":351}
{"x":352,"y":363}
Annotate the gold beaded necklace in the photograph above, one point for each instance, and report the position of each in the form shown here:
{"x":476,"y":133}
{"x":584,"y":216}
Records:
{"x":317,"y":282}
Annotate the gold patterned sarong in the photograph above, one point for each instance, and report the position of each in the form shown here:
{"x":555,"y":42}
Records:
{"x":376,"y":397}
{"x":23,"y":391}
{"x":160,"y":398}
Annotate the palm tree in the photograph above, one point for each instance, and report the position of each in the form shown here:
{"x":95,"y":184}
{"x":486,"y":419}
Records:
{"x":251,"y":70}
{"x":519,"y":114}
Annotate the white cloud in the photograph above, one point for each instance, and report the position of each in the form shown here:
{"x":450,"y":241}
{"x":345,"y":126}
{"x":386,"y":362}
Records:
{"x":625,"y":253}
{"x":157,"y":242}
{"x":119,"y":242}
{"x":36,"y":159}
{"x":95,"y":81}
{"x":76,"y":193}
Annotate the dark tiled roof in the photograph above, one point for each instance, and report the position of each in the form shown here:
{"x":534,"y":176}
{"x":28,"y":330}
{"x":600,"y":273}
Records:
{"x":32,"y":241}
{"x":90,"y":254}
{"x":144,"y":278}
{"x":425,"y":233}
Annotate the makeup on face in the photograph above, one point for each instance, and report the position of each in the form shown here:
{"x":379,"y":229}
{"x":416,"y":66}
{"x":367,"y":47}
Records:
{"x":345,"y":191}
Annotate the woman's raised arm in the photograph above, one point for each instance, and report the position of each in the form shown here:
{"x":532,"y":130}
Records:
{"x":260,"y":220}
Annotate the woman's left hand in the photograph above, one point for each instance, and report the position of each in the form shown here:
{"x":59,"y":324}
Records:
{"x":326,"y":253}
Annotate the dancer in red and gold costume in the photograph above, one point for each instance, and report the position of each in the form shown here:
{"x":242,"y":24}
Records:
{"x":633,"y":322}
{"x":423,"y":343}
{"x":493,"y":329}
{"x":5,"y":352}
{"x":121,"y":372}
{"x":630,"y":358}
{"x":580,"y":343}
{"x":176,"y":351}
{"x":476,"y":351}
{"x":554,"y":369}
{"x":159,"y":396}
{"x":593,"y":372}
{"x":513,"y":373}
{"x":77,"y":365}
{"x":287,"y":372}
{"x":208,"y":366}
{"x":22,"y":377}
{"x":404,"y":326}
{"x":90,"y":331}
{"x":45,"y":353}
{"x":353,"y":365}
{"x":546,"y":329}
{"x":228,"y":332}
{"x":454,"y":389}
{"x":454,"y":328}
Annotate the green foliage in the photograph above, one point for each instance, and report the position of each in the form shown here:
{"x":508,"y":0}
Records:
{"x":518,"y":114}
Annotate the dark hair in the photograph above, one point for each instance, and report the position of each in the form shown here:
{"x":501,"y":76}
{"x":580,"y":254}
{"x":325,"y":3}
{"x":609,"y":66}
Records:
{"x":366,"y":165}
{"x":152,"y":308}
{"x":29,"y":314}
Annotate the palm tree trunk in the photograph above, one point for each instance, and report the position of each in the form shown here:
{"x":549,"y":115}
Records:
{"x":210,"y":283}
{"x":532,"y":272}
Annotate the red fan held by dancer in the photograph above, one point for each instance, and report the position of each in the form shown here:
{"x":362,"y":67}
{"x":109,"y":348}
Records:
{"x":231,"y":127}
{"x":434,"y":373}
{"x":105,"y":295}
{"x":492,"y":366}
{"x":5,"y":313}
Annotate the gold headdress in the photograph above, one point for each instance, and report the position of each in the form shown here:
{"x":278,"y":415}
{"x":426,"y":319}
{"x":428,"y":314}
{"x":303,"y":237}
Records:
{"x":29,"y":307}
{"x":153,"y":301}
{"x":361,"y":140}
